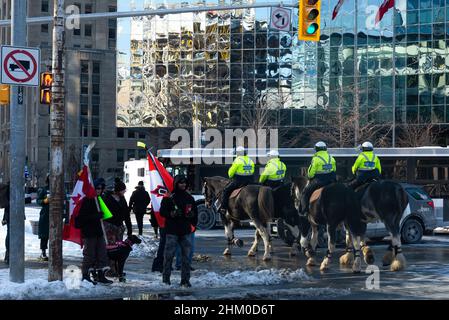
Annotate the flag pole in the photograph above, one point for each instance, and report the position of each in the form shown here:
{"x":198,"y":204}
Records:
{"x":86,"y":163}
{"x":143,"y":145}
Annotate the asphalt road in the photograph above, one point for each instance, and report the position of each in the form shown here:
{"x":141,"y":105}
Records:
{"x":426,"y":275}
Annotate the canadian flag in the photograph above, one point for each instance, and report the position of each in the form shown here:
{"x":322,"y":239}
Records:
{"x":337,"y":9}
{"x":161,"y":184}
{"x":386,"y":5}
{"x":83,"y":188}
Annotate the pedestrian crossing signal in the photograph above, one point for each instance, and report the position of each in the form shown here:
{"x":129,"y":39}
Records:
{"x":45,"y":87}
{"x":4,"y":94}
{"x":309,"y":20}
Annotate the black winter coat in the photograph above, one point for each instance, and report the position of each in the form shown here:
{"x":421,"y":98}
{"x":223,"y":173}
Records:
{"x":89,"y":219}
{"x":186,"y":213}
{"x":119,"y":210}
{"x":139,"y":200}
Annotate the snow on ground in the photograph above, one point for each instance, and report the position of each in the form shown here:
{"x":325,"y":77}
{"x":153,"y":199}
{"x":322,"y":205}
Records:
{"x":37,"y":287}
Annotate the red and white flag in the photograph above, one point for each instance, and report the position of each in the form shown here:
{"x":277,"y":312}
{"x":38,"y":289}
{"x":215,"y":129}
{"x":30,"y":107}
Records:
{"x":83,"y":188}
{"x":161,"y":185}
{"x":386,"y":5}
{"x":337,"y":9}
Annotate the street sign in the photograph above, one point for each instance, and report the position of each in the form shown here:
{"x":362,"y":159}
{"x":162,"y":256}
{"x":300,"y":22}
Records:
{"x":280,"y":19}
{"x":20,"y":96}
{"x":20,"y":66}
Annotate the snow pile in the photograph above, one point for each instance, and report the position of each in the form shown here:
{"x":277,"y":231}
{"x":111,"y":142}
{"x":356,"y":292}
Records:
{"x":241,"y":278}
{"x":36,"y":285}
{"x":148,"y":247}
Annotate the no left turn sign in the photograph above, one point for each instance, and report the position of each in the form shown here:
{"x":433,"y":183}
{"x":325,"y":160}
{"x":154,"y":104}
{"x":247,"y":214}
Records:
{"x":20,"y":66}
{"x":280,"y":19}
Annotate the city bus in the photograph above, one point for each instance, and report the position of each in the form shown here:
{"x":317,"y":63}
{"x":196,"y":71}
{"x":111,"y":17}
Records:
{"x":427,"y":167}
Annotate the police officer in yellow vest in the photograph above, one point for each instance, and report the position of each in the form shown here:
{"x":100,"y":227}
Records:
{"x":322,"y":171}
{"x":367,"y":166}
{"x":274,"y":172}
{"x":241,"y":173}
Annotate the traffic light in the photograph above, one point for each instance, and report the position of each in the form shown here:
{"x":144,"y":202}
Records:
{"x":45,"y":87}
{"x":4,"y":94}
{"x":309,"y":20}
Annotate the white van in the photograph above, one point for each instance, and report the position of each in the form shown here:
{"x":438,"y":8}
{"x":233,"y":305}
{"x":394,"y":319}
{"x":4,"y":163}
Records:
{"x":138,"y":170}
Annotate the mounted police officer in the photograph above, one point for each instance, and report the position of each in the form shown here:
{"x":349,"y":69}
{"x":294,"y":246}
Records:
{"x":322,"y":171}
{"x":367,"y":166}
{"x":274,"y":172}
{"x":241,"y":173}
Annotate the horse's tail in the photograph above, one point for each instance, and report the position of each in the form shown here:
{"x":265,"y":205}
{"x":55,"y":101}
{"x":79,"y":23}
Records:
{"x":402,"y":197}
{"x":266,"y":204}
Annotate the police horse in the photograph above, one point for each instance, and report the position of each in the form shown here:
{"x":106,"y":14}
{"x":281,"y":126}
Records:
{"x":386,"y":201}
{"x":332,"y":205}
{"x":252,"y":202}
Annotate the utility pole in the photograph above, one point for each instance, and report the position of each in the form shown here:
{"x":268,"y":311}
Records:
{"x":17,"y":194}
{"x":356,"y":79}
{"x":57,"y":123}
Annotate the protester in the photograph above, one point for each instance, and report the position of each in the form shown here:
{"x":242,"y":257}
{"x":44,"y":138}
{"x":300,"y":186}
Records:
{"x":43,"y":199}
{"x":181,"y":213}
{"x":158,"y":261}
{"x":154,"y":223}
{"x":89,"y":220}
{"x":114,"y":227}
{"x":139,"y":201}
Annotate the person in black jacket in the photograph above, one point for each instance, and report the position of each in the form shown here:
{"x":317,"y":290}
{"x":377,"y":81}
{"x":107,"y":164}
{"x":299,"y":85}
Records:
{"x":114,"y":227}
{"x":139,"y":201}
{"x":116,"y":203}
{"x":95,"y":257}
{"x":181,"y":213}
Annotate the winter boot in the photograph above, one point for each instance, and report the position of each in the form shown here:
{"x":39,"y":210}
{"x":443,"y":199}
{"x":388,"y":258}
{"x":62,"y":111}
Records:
{"x":43,"y":256}
{"x":102,"y":278}
{"x":185,"y":283}
{"x":87,"y":277}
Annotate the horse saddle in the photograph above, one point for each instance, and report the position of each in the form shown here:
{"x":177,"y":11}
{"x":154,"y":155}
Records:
{"x":235,"y":193}
{"x":316,"y":195}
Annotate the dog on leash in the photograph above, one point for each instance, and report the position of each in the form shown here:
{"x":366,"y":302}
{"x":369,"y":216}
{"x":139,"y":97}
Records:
{"x":119,"y":253}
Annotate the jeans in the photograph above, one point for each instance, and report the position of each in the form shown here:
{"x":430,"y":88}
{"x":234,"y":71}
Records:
{"x":170,"y":249}
{"x":192,"y":249}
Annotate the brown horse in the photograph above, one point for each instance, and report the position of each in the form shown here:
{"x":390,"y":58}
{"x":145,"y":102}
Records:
{"x":254,"y":202}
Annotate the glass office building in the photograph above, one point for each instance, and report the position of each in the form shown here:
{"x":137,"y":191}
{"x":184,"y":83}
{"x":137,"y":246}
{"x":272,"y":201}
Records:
{"x":228,"y":69}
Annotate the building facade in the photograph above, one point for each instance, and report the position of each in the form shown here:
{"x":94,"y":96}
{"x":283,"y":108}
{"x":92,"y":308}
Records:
{"x":90,"y":97}
{"x":228,"y":69}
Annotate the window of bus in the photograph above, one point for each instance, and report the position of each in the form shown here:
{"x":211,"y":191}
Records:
{"x":394,"y":169}
{"x":432,"y":169}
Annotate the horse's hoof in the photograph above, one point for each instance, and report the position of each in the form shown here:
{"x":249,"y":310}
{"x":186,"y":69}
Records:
{"x":387,"y":259}
{"x":398,"y":263}
{"x":266,"y":258}
{"x":324,"y":265}
{"x":238,"y":243}
{"x":368,"y":255}
{"x":347,"y":259}
{"x":357,"y":266}
{"x":251,"y":254}
{"x":311,"y":262}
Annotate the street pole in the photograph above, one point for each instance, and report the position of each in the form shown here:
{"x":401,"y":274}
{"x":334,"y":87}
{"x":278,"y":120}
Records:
{"x":17,"y":180}
{"x":356,"y":79}
{"x":57,"y":123}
